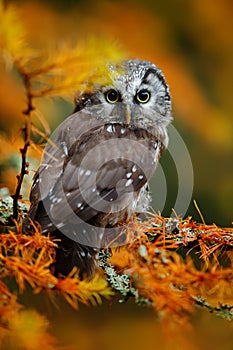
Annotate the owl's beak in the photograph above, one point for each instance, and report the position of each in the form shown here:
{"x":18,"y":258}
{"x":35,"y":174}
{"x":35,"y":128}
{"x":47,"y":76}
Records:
{"x":127,"y":115}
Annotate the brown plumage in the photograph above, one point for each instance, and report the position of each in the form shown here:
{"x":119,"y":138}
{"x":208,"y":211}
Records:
{"x":94,"y":176}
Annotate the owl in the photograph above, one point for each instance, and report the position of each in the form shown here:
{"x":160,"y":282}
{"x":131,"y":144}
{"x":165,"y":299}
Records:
{"x":94,"y":175}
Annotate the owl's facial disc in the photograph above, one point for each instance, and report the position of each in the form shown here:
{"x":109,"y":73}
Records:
{"x":141,"y":89}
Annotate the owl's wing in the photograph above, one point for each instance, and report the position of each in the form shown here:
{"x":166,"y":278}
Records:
{"x":51,"y":167}
{"x":82,"y":193}
{"x":44,"y":180}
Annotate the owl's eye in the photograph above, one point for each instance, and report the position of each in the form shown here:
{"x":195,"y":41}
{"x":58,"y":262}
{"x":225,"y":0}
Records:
{"x":112,"y":96}
{"x":143,"y":96}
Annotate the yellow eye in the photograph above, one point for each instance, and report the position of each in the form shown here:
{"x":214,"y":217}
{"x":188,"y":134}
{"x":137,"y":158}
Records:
{"x":112,"y":96}
{"x":143,"y":96}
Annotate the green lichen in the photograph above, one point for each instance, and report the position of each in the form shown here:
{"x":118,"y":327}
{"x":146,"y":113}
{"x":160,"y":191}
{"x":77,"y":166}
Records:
{"x":6,"y":207}
{"x":223,"y":310}
{"x":122,"y":283}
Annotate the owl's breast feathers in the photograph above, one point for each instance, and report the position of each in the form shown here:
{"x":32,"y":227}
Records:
{"x":96,"y":173}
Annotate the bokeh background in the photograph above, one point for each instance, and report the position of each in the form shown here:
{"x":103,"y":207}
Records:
{"x":192,"y":42}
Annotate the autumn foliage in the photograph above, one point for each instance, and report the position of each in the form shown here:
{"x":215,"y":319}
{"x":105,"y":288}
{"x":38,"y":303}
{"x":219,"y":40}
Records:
{"x":173,"y":284}
{"x":172,"y":265}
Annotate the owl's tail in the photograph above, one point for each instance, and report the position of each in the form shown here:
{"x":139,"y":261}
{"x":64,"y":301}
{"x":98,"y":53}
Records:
{"x":70,"y":253}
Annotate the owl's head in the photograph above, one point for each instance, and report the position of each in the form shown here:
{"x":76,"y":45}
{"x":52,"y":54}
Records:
{"x":136,"y":95}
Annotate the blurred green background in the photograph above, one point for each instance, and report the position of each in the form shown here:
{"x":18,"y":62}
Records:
{"x":192,"y":42}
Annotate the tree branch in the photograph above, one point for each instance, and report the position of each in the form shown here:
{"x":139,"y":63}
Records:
{"x":26,"y":130}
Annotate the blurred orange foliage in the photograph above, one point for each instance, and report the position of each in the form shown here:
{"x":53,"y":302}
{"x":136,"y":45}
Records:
{"x":27,"y":260}
{"x":172,"y":283}
{"x":147,"y":34}
{"x":40,"y":43}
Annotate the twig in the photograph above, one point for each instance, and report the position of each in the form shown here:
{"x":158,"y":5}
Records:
{"x":27,"y":141}
{"x":224,"y":311}
{"x":199,"y":212}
